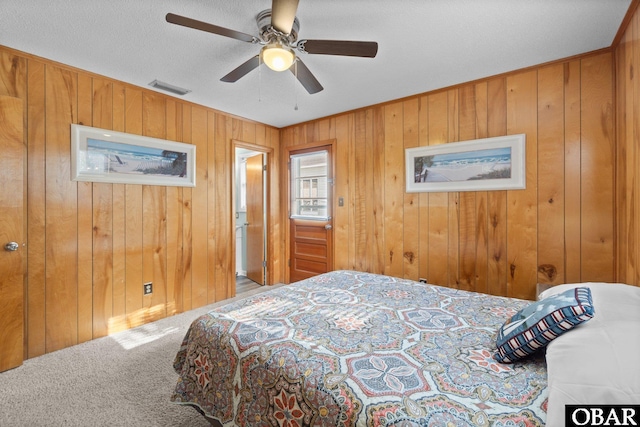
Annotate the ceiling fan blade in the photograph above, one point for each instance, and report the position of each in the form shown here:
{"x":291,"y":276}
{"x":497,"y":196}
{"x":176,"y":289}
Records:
{"x":210,"y":28}
{"x":283,"y":13}
{"x":304,"y":76}
{"x":339,"y":47}
{"x":242,"y":70}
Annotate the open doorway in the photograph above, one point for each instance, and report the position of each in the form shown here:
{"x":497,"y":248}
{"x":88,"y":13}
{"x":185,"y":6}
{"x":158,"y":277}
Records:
{"x":250,"y":205}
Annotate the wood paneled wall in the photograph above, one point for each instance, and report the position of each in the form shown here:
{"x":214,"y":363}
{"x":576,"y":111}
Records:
{"x":628,"y":153}
{"x":560,"y":229}
{"x":91,"y":246}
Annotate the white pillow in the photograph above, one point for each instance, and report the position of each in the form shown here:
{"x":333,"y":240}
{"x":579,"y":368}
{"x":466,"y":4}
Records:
{"x":597,"y":362}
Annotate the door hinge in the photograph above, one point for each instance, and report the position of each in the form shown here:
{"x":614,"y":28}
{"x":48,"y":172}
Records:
{"x":264,"y":168}
{"x":264,"y":264}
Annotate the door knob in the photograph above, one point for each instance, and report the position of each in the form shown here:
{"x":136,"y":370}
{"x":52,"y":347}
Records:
{"x":328,"y":227}
{"x":11,"y":246}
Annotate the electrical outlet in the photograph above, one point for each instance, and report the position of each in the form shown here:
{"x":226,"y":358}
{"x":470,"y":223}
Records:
{"x":422,"y":280}
{"x":147,"y":288}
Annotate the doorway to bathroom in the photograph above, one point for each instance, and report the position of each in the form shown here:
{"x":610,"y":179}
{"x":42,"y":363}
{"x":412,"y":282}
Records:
{"x":250,"y":184}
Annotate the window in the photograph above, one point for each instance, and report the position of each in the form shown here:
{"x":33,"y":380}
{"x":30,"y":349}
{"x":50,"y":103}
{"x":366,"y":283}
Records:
{"x":242,"y":184}
{"x":309,"y":185}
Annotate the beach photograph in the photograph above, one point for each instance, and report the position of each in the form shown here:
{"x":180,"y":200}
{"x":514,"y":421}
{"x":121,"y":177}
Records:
{"x":496,"y":163}
{"x":104,"y":157}
{"x":464,"y":166}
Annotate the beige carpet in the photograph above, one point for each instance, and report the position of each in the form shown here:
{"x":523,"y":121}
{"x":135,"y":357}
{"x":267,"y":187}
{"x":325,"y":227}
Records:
{"x":125,"y":379}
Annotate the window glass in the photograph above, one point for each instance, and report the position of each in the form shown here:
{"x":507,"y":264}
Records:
{"x":309,"y":185}
{"x":242,"y":190}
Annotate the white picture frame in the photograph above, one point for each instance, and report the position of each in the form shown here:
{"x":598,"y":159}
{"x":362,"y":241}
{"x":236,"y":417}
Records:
{"x":478,"y":165}
{"x":101,"y":155}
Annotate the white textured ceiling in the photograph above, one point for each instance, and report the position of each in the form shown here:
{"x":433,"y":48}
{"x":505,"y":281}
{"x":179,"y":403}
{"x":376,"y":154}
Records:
{"x":423,"y":45}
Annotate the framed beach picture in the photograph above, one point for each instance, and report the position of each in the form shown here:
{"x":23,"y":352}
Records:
{"x":478,"y":165}
{"x":101,"y":155}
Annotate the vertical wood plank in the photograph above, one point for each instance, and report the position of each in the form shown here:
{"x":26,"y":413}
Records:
{"x":117,"y":322}
{"x":633,"y":178}
{"x":438,"y":202}
{"x":351,"y":218}
{"x":102,"y":258}
{"x":378,"y":247}
{"x":85,"y":223}
{"x":342,"y":238}
{"x":216,"y":139}
{"x":627,"y":158}
{"x":133,"y":252}
{"x":551,"y":176}
{"x":468,"y":225}
{"x":393,"y":184}
{"x":572,"y":185}
{"x":187,"y":221}
{"x":154,"y":221}
{"x":199,"y":205}
{"x":133,"y":220}
{"x":102,"y":212}
{"x":411,"y":209}
{"x":276,"y":224}
{"x":13,"y":76}
{"x":227,"y":223}
{"x":522,"y":204}
{"x":176,"y":264}
{"x":119,"y":310}
{"x":623,"y":150}
{"x":362,"y":225}
{"x":633,"y":156}
{"x":36,"y":202}
{"x":326,"y":129}
{"x":482,"y":212}
{"x":223,"y":226}
{"x":174,"y":219}
{"x":153,"y":251}
{"x":497,"y":200}
{"x":61,"y":212}
{"x":453,"y":212}
{"x":423,"y":137}
{"x":351,"y":201}
{"x":467,"y":240}
{"x":597,"y":155}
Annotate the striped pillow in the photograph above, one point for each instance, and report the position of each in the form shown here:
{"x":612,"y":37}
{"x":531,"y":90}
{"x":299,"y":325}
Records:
{"x":536,"y":325}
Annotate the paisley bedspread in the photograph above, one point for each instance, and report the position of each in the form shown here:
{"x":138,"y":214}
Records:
{"x":358,"y":349}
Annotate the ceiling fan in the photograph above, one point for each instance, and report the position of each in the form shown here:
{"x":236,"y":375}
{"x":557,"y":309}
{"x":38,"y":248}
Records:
{"x":279,"y":37}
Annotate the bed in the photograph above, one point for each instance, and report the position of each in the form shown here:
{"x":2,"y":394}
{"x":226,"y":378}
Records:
{"x":356,"y":349}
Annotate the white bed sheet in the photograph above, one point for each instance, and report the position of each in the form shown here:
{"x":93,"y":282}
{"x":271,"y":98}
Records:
{"x":598,"y":362}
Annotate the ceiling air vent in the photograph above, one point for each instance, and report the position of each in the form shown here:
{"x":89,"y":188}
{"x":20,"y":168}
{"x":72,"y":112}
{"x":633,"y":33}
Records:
{"x":169,"y":88}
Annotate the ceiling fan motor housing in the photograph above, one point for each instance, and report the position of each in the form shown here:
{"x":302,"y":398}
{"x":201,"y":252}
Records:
{"x":271,"y":35}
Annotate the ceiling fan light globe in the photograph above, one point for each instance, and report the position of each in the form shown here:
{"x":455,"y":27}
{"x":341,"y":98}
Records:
{"x":277,"y":57}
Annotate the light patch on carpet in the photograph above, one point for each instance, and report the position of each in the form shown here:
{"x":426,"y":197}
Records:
{"x":141,"y":335}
